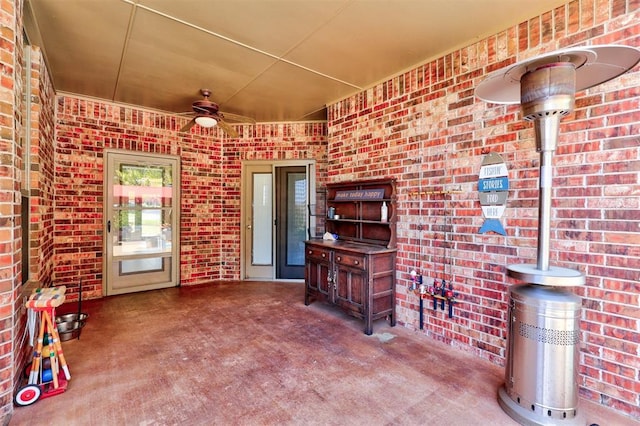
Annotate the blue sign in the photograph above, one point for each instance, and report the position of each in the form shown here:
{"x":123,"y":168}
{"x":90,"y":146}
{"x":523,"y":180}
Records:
{"x":493,"y":184}
{"x":493,"y":187}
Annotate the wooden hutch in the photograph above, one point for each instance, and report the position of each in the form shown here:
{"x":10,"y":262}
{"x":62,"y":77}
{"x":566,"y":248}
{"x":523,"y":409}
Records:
{"x":356,"y":272}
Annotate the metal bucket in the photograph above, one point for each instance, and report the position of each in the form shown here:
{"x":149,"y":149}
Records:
{"x":541,"y":372}
{"x":70,"y":325}
{"x":78,"y":316}
{"x":69,"y":330}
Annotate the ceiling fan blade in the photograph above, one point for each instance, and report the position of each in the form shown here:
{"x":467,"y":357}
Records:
{"x":227,"y":129}
{"x":189,"y":125}
{"x":235,"y":117}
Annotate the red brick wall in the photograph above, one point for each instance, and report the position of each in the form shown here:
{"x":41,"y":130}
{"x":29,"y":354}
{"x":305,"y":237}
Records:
{"x":41,"y":172}
{"x":427,"y":129}
{"x":10,"y":196}
{"x":36,"y":180}
{"x":210,"y":187}
{"x":40,"y":193}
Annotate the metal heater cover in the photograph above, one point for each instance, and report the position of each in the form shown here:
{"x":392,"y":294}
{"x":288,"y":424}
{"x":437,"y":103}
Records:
{"x":542,"y":363}
{"x":593,"y":64}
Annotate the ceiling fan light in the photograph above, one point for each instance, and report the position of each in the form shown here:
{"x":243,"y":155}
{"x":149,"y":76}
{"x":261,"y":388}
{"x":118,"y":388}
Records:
{"x":205,"y":121}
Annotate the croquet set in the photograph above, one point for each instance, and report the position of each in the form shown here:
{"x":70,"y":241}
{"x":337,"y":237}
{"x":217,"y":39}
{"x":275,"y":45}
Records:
{"x":48,"y":373}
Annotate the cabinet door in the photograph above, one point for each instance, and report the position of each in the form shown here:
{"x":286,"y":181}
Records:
{"x":351,"y":281}
{"x":317,"y":276}
{"x":349,"y":291}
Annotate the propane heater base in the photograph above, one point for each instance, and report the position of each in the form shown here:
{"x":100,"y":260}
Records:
{"x":526,"y":418}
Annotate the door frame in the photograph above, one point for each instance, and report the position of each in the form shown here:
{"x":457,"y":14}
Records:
{"x":246,"y":192}
{"x":175,"y":217}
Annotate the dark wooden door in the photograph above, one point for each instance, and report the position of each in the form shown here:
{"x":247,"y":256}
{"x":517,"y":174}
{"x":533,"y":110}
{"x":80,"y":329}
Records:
{"x":291,"y":221}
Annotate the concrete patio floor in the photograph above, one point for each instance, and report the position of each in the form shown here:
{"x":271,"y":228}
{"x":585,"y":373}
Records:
{"x":251,"y":353}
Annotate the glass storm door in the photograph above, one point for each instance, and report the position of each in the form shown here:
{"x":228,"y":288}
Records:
{"x":141,"y":224}
{"x":291,"y":221}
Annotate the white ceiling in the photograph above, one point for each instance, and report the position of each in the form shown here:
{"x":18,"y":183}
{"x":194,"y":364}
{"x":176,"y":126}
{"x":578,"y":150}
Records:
{"x":272,"y":60}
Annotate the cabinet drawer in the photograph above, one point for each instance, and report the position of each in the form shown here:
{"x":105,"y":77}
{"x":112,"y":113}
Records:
{"x":317,"y":253}
{"x":350,"y":260}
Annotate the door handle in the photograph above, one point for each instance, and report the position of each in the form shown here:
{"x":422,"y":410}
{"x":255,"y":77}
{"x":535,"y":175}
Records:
{"x":109,"y":226}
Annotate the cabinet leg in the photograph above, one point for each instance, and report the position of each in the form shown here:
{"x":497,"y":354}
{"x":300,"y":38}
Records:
{"x":368,"y":327}
{"x":392,"y":320}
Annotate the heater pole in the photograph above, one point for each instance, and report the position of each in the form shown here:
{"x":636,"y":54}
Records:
{"x":544,"y":210}
{"x":547,"y":94}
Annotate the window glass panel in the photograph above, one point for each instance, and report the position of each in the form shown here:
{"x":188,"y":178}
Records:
{"x":142,"y":209}
{"x":262,"y":219}
{"x":139,"y":266}
{"x":296,"y":218}
{"x":147,"y":186}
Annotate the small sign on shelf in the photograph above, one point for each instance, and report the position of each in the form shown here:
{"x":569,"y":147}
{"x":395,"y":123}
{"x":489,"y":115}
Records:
{"x":360,"y":195}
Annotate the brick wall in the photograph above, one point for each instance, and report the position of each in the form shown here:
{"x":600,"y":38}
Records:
{"x":427,"y":129}
{"x":11,"y":117}
{"x":33,"y":178}
{"x":41,"y":170}
{"x":40,"y":193}
{"x":210,"y":187}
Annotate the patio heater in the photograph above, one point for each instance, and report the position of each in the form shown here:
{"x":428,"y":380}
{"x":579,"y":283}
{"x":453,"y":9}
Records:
{"x":541,"y":371}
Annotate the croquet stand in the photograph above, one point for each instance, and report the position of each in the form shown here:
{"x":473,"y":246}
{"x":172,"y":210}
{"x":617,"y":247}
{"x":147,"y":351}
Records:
{"x":48,"y":378}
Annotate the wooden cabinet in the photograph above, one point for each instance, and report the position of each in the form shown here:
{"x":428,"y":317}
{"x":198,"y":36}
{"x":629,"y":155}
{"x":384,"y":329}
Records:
{"x":357,"y":271}
{"x":359,"y":278}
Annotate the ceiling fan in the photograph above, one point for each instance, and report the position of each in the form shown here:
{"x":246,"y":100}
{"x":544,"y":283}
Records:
{"x":207,"y":115}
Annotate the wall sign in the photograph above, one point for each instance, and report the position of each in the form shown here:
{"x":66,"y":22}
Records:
{"x":493,"y":188}
{"x":360,"y":195}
